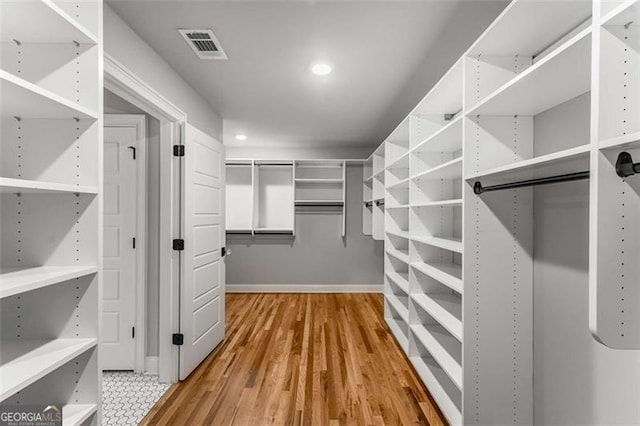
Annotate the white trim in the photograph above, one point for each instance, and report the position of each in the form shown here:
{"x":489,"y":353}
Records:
{"x":151,"y":365}
{"x":121,"y":81}
{"x":304,"y":288}
{"x":138,"y":121}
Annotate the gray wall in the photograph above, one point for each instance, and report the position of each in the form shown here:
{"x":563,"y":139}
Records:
{"x":317,"y":255}
{"x":124,"y":45}
{"x":113,"y":104}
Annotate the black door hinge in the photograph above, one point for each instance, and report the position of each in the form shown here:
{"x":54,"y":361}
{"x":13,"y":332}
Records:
{"x":224,"y":251}
{"x":133,"y":332}
{"x":178,"y":244}
{"x":134,"y":242}
{"x":178,"y":339}
{"x":178,"y":150}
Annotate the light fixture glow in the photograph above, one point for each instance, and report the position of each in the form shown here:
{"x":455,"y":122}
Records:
{"x":321,"y":69}
{"x":241,"y":137}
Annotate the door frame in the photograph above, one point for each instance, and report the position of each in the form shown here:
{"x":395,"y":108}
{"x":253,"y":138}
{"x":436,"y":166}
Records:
{"x":121,"y":81}
{"x":138,"y":122}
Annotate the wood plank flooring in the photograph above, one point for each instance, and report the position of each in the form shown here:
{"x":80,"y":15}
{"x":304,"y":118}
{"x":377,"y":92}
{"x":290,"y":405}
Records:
{"x":312,"y":359}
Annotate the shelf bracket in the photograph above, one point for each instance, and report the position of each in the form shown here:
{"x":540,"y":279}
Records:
{"x":625,"y":166}
{"x":17,"y":42}
{"x":17,"y":118}
{"x":478,"y":189}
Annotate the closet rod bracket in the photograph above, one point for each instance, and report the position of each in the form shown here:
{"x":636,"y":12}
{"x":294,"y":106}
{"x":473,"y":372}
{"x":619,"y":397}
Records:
{"x":625,"y":166}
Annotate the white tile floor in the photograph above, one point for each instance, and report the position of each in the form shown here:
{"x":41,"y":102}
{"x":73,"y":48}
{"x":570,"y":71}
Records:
{"x":127,"y":397}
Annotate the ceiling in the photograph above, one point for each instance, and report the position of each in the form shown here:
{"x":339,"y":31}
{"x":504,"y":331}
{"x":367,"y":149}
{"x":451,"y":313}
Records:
{"x":385,"y":56}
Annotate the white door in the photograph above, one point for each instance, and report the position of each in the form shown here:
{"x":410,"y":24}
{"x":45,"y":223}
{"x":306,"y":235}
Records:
{"x":202,"y":310}
{"x":119,"y":262}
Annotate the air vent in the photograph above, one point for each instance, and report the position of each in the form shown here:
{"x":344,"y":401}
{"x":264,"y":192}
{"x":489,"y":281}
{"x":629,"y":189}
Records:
{"x":204,"y":43}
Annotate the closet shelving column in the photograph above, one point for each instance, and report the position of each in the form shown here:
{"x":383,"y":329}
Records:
{"x":321,"y":184}
{"x":50,"y":208}
{"x":615,"y":204}
{"x":526,"y":117}
{"x":435,"y":242}
{"x":274,"y":197}
{"x":239,"y":196}
{"x":378,"y":193}
{"x":367,"y":196}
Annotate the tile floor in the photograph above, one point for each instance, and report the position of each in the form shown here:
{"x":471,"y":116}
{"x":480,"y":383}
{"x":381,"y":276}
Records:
{"x":127,"y":397}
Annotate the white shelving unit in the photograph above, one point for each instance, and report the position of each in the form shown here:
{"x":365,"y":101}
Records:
{"x":50,"y":185}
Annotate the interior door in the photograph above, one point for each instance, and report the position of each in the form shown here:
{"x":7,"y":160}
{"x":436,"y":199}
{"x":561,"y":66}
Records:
{"x":202,"y":293}
{"x":119,"y":289}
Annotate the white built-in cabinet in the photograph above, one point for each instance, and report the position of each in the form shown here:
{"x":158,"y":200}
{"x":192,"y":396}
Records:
{"x":50,"y":205}
{"x":549,"y":93}
{"x":264,"y":196}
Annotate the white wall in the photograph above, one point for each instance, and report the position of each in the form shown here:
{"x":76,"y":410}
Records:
{"x":124,"y":45}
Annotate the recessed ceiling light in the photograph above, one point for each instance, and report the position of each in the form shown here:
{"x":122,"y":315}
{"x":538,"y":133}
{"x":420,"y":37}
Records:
{"x":321,"y":69}
{"x":241,"y":137}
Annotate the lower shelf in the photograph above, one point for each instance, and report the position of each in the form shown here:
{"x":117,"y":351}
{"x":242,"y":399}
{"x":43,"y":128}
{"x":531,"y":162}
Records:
{"x":19,"y":280}
{"x":398,"y":333}
{"x":449,"y":274}
{"x":77,"y":414}
{"x":448,"y":398}
{"x":444,"y":348}
{"x":26,"y":361}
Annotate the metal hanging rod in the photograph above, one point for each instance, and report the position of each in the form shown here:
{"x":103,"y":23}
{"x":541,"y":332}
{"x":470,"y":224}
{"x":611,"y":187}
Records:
{"x":625,"y":166}
{"x":479,"y":189}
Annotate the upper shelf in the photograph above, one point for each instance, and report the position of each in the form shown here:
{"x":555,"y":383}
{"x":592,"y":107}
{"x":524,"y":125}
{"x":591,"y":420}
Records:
{"x":447,"y":139}
{"x":47,"y":23}
{"x":19,"y":280}
{"x":628,"y":11}
{"x":24,"y":186}
{"x":450,"y":170}
{"x":528,"y":27}
{"x":21,"y":98}
{"x":557,"y":78}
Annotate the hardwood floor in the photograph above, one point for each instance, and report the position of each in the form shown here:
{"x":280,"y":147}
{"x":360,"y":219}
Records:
{"x":322,"y":359}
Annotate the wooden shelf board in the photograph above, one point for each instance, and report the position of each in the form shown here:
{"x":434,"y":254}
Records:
{"x":447,"y":139}
{"x":396,"y":331}
{"x":405,"y":206}
{"x":312,"y":181}
{"x":555,"y":79}
{"x":568,"y":161}
{"x":449,"y":170}
{"x":448,"y":243}
{"x":318,"y":202}
{"x":401,"y":162}
{"x":26,"y":361}
{"x":403,"y":257}
{"x":273,"y":230}
{"x":444,"y":203}
{"x":526,"y":29}
{"x":21,"y":98}
{"x":399,"y":184}
{"x":401,"y":279}
{"x":47,"y":23}
{"x":444,"y":308}
{"x":77,"y":414}
{"x":24,"y":186}
{"x":621,"y":141}
{"x":447,"y":273}
{"x":399,"y":307}
{"x":400,"y":234}
{"x":445,"y":349}
{"x":433,"y":377}
{"x":19,"y":280}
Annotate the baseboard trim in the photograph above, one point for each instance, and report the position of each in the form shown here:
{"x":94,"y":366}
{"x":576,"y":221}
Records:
{"x":304,"y":288}
{"x":151,"y":365}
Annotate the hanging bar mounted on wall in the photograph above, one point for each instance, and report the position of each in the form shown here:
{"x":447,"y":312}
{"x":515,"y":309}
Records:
{"x":380,"y":203}
{"x":368,"y":204}
{"x":479,"y":189}
{"x":625,"y":166}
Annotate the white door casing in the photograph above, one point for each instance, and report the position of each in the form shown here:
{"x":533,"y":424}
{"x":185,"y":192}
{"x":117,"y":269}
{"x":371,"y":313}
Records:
{"x":123,"y":282}
{"x":202,"y":293}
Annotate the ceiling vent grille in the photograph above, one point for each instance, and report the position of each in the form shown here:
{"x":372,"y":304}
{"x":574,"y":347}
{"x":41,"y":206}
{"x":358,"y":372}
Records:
{"x":204,"y":43}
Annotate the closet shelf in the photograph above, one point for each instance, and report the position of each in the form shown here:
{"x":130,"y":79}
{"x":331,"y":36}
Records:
{"x":401,"y":162}
{"x":23,"y":99}
{"x":47,"y":23}
{"x":433,"y":377}
{"x":449,"y":170}
{"x":239,"y":231}
{"x":401,"y":279}
{"x":444,"y":308}
{"x":444,"y":348}
{"x":398,"y":207}
{"x":403,"y":257}
{"x":319,"y":202}
{"x":450,"y":243}
{"x":400,"y":234}
{"x":77,"y":414}
{"x":318,"y":181}
{"x":621,"y":141}
{"x":286,"y":231}
{"x":447,"y":139}
{"x":26,"y":361}
{"x":553,"y":80}
{"x":444,"y":203}
{"x":447,"y":273}
{"x":398,"y":306}
{"x":24,"y":186}
{"x":19,"y":280}
{"x":397,"y":332}
{"x":568,"y":161}
{"x":627,"y":11}
{"x":401,"y":184}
